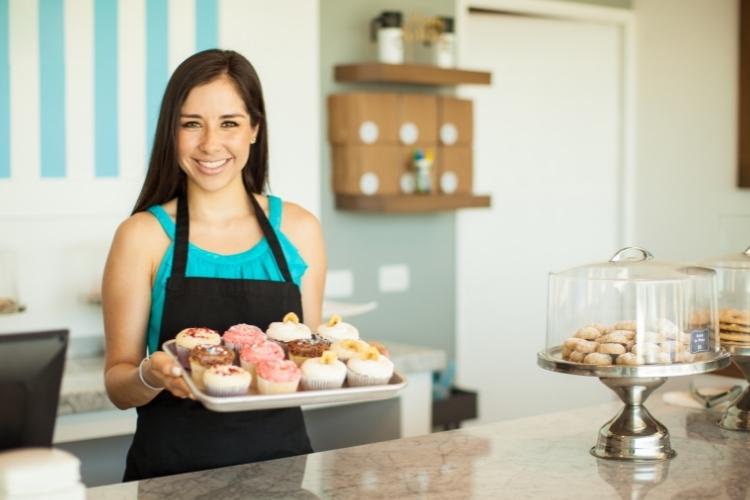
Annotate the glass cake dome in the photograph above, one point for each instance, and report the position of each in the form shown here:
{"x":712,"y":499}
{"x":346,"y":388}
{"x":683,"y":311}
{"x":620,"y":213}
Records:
{"x":733,"y":283}
{"x":633,"y":310}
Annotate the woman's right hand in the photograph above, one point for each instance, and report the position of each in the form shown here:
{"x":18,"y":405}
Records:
{"x":163,"y":371}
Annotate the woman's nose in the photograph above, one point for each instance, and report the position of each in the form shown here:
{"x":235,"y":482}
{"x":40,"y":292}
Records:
{"x":210,"y":140}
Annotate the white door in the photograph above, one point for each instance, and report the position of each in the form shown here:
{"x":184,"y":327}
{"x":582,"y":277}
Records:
{"x":548,"y":150}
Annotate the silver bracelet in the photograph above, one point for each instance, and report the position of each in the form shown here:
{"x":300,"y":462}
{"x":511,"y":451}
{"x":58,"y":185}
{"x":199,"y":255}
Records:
{"x":143,"y":379}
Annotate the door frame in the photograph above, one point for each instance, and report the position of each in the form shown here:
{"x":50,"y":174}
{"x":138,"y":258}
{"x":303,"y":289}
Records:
{"x":566,"y":10}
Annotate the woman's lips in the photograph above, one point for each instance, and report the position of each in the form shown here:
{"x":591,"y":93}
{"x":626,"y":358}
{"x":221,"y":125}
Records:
{"x":212,"y":167}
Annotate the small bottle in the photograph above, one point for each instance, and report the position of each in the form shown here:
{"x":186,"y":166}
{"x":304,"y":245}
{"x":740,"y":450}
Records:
{"x":388,"y":30}
{"x":422,"y":165}
{"x":445,"y":46}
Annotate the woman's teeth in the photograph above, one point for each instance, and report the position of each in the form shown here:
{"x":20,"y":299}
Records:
{"x":212,"y":164}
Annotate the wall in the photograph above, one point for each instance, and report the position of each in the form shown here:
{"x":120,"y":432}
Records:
{"x":84,"y":79}
{"x":688,"y":205}
{"x":360,"y":244}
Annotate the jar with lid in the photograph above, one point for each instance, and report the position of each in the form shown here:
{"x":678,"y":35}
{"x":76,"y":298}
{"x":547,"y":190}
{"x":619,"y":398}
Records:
{"x":445,"y":45}
{"x":387,"y":30}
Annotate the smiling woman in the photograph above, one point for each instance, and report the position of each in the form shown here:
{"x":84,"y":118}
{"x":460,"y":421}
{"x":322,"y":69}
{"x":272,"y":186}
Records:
{"x":205,"y":248}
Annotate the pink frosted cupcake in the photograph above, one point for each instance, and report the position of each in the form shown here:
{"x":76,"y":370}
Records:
{"x":226,"y":380}
{"x":191,"y":337}
{"x":252,"y":355}
{"x":241,"y":335}
{"x":279,"y":376}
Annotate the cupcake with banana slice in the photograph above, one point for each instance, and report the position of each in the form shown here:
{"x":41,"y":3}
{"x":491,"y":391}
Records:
{"x":288,"y":329}
{"x":324,"y":372}
{"x":336,"y":329}
{"x":369,"y":368}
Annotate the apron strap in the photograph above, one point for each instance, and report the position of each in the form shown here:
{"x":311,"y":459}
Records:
{"x":273,"y":241}
{"x":182,"y":233}
{"x":181,"y":237}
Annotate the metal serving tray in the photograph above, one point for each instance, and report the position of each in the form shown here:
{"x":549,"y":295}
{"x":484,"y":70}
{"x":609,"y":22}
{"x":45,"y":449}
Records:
{"x":255,"y":401}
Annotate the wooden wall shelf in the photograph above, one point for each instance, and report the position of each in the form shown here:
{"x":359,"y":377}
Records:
{"x":410,"y":203}
{"x":421,"y":74}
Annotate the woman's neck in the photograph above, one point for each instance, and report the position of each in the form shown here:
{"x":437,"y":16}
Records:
{"x":218,"y":206}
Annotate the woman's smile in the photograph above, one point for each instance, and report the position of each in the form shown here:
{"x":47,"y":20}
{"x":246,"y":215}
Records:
{"x":214,"y":167}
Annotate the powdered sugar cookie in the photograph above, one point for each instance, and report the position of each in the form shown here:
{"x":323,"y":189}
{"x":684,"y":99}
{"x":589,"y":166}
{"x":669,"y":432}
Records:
{"x":616,"y":337}
{"x":588,"y":333}
{"x":646,"y":349}
{"x":597,"y":358}
{"x":602,"y":328}
{"x":587,"y":346}
{"x":577,"y":356}
{"x":627,"y":359}
{"x":611,"y":348}
{"x":625,"y":325}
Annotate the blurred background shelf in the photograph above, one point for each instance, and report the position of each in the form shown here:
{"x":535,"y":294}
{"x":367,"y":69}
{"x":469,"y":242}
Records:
{"x":421,"y":74}
{"x":409,"y":203}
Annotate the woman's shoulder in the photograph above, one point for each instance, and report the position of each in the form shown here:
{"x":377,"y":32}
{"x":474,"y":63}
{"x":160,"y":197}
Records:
{"x":144,"y":227}
{"x":297,"y":221}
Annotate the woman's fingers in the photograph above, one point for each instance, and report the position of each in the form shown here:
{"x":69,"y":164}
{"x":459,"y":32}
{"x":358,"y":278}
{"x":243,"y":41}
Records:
{"x":169,"y":373}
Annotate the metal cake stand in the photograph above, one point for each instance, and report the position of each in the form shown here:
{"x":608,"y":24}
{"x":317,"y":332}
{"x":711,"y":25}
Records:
{"x":737,"y":416}
{"x":633,"y":434}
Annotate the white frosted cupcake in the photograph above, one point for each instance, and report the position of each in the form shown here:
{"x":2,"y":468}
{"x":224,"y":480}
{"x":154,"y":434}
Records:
{"x":278,"y":376}
{"x":349,"y":348}
{"x":192,"y":337}
{"x":288,"y":329}
{"x":325,"y":372}
{"x":336,"y":329}
{"x":226,"y":380}
{"x":370,"y":368}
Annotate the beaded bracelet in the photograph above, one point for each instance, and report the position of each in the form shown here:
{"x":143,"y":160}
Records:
{"x":143,"y":379}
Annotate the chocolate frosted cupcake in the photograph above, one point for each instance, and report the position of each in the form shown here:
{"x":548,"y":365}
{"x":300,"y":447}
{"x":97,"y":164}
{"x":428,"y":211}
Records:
{"x":304,"y":349}
{"x":203,"y":357}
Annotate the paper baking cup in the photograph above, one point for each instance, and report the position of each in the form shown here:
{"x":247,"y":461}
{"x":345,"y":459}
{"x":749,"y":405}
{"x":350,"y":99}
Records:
{"x":358,"y":379}
{"x":268,"y":387}
{"x":322,"y":384}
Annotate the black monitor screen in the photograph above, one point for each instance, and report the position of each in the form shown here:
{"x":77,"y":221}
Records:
{"x":31,"y":368}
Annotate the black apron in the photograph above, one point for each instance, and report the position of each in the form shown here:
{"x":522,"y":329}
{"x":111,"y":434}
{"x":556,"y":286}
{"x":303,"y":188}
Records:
{"x":176,"y":435}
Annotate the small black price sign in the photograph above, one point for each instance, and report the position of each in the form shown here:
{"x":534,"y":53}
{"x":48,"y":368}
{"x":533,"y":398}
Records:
{"x":699,"y":340}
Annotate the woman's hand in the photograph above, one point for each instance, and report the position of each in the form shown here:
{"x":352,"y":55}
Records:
{"x":163,"y":371}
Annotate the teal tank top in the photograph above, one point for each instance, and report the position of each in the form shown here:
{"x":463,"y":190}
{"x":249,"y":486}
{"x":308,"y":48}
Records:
{"x":257,"y":263}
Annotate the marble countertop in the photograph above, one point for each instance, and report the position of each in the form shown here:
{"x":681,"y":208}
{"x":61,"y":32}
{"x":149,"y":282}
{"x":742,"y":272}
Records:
{"x":545,"y":456}
{"x":83,"y":390}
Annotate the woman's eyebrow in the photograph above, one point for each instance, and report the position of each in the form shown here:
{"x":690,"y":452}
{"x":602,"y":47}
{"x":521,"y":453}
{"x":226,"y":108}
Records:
{"x":223,"y":117}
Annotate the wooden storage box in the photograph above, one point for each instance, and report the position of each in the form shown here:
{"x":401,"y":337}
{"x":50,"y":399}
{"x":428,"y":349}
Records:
{"x":416,"y":119}
{"x":455,"y":121}
{"x":362,"y":118}
{"x":454,"y":172}
{"x":366,"y":170}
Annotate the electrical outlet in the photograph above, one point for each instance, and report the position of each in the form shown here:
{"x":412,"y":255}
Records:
{"x":393,"y":278}
{"x":339,"y":284}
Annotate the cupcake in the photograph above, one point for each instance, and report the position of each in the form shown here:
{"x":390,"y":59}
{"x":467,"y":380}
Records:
{"x":226,"y":380}
{"x":252,"y":355}
{"x":191,"y":337}
{"x":203,"y":357}
{"x":288,"y":329}
{"x":336,"y":329}
{"x":382,"y":349}
{"x":325,"y":372}
{"x":278,"y":376}
{"x":241,"y":335}
{"x":304,"y":349}
{"x":369,"y":368}
{"x":348,"y":348}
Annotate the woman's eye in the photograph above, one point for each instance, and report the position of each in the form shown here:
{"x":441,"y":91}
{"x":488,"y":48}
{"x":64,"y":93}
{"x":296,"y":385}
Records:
{"x":229,"y":124}
{"x":190,"y":125}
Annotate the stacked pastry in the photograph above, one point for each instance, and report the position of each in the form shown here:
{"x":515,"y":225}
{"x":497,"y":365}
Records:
{"x":621,"y":344}
{"x":734,"y":326}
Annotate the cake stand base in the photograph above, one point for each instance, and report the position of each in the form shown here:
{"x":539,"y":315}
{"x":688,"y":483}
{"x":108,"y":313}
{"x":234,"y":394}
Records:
{"x":737,"y":416}
{"x":633,"y":434}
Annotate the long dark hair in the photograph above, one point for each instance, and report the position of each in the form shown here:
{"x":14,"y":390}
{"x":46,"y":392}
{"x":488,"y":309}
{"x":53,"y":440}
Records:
{"x":164,"y":178}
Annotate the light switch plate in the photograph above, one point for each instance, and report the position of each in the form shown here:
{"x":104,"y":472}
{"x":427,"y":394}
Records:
{"x":393,"y":278}
{"x":339,"y":284}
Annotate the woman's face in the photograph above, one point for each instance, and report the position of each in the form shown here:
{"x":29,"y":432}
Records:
{"x":214,"y":135}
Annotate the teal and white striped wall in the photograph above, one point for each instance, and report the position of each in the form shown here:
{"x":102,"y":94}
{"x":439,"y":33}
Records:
{"x":75,"y":73}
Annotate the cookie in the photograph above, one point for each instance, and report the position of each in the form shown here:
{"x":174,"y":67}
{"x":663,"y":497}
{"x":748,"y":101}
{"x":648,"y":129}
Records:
{"x":732,"y":327}
{"x":572,"y":342}
{"x":597,"y":358}
{"x":665,"y":327}
{"x":577,"y":356}
{"x":650,"y":337}
{"x":588,"y":333}
{"x":625,"y":325}
{"x":736,"y":316}
{"x":627,"y":358}
{"x":602,"y":329}
{"x":646,"y":349}
{"x":587,"y":346}
{"x":615,"y":337}
{"x":735,"y":337}
{"x":611,"y":348}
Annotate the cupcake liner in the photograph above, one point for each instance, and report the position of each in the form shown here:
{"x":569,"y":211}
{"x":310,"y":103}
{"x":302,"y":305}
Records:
{"x":322,"y":384}
{"x":268,"y":387}
{"x":196,"y":373}
{"x":357,"y":379}
{"x":250,"y":368}
{"x":298,"y":360}
{"x":182,"y":356}
{"x":238,"y":390}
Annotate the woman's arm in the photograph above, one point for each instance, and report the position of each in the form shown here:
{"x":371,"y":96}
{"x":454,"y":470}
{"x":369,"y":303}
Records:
{"x":305,"y":232}
{"x":126,"y":302}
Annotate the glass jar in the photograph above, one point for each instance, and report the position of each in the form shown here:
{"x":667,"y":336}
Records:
{"x":733,"y":282}
{"x":632,"y":310}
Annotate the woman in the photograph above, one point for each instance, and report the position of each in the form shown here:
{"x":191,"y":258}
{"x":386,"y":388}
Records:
{"x":204,"y":247}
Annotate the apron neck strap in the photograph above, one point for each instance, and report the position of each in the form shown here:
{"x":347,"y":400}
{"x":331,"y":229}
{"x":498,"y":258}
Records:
{"x":182,"y":235}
